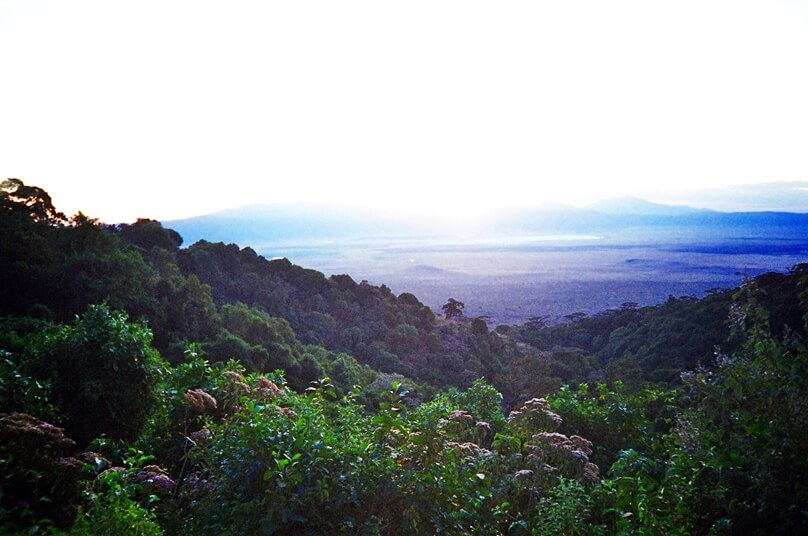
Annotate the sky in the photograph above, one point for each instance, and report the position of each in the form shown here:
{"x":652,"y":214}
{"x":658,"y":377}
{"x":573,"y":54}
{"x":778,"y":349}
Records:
{"x":169,"y":109}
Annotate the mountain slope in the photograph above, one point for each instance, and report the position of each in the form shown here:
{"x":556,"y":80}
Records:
{"x":636,"y":206}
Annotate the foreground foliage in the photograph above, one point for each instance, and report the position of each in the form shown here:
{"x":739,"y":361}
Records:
{"x":230,"y":452}
{"x":227,"y":452}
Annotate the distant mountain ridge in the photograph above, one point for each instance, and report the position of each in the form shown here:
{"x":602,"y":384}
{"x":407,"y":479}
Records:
{"x":288,"y":224}
{"x":778,"y":196}
{"x":292,"y":223}
{"x":638,"y":206}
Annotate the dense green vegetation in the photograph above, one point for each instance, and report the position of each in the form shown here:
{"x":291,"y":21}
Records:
{"x":147,"y":388}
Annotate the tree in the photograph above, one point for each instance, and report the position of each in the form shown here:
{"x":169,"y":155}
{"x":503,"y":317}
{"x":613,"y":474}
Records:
{"x":744,"y":437}
{"x":479,"y":327}
{"x":28,"y":201}
{"x":538,"y":322}
{"x":453,"y":308}
{"x":103,"y":370}
{"x":576,"y":317}
{"x":148,"y":234}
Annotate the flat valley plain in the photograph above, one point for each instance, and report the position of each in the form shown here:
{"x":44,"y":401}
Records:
{"x":511,"y":278}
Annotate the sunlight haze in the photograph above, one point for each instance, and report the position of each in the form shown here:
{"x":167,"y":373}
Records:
{"x":174,"y":109}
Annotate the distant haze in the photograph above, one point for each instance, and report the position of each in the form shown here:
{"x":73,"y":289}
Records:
{"x":517,"y":263}
{"x":174,"y":109}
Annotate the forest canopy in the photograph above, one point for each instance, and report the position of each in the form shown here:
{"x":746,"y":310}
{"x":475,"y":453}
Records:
{"x":150,"y":388}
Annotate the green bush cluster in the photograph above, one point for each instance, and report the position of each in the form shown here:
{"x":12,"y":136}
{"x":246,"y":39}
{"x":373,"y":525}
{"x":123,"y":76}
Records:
{"x":231,"y":452}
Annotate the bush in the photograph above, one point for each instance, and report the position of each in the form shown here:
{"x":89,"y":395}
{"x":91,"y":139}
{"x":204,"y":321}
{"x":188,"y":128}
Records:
{"x":103,"y":371}
{"x":113,"y":511}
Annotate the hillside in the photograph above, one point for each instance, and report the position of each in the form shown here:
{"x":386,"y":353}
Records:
{"x":199,"y":389}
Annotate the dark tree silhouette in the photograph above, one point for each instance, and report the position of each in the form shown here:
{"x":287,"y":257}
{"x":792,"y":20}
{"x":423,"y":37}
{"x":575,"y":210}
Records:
{"x":29,"y":201}
{"x":538,"y":322}
{"x":576,"y":317}
{"x":479,"y":326}
{"x":453,"y":308}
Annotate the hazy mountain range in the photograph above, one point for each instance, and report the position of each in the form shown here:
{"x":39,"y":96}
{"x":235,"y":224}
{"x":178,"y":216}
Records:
{"x":510,"y":264}
{"x":284,"y":224}
{"x":781,"y":196}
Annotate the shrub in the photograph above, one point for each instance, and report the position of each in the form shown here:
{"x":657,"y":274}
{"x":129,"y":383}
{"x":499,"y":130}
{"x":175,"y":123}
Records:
{"x":103,"y":371}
